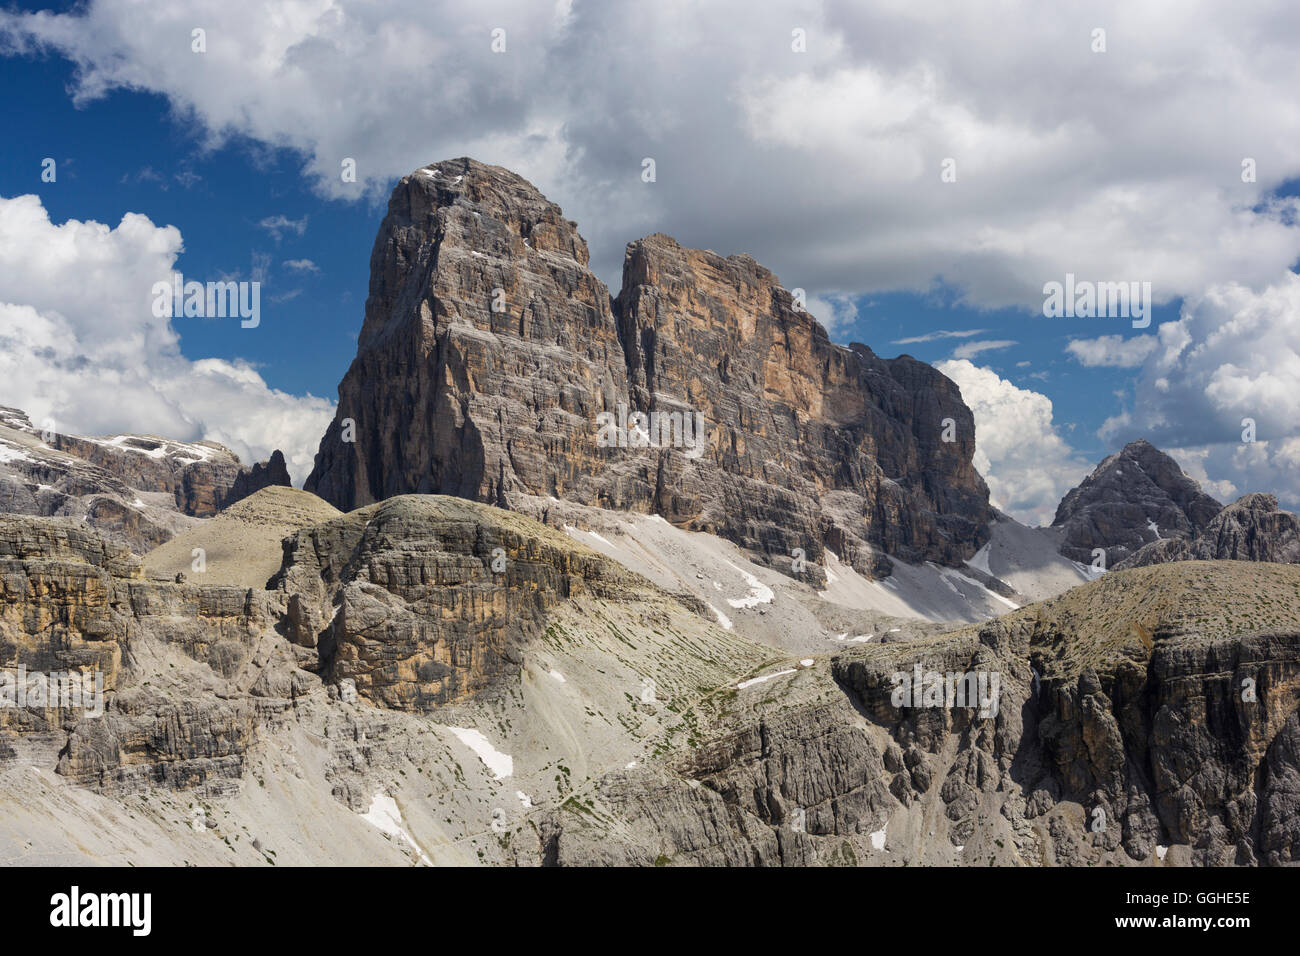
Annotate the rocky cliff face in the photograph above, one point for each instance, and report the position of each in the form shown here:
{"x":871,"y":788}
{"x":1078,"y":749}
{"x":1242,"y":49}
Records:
{"x":137,"y":490}
{"x":1250,"y":529}
{"x":812,"y":440}
{"x":272,"y":473}
{"x":401,"y":599}
{"x":528,"y":701}
{"x":74,"y":604}
{"x":493,"y":365}
{"x":1137,"y":722}
{"x":384,"y":617}
{"x":1134,"y":497}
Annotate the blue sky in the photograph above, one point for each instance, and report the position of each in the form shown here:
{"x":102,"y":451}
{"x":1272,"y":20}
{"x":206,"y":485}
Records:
{"x":824,"y":166}
{"x":129,"y":153}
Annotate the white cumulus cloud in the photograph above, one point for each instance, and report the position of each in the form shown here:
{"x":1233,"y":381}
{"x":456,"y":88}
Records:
{"x":835,"y":311}
{"x":1028,"y":465}
{"x":1113,"y":351}
{"x":825,"y":164}
{"x":1232,"y":358}
{"x":79,"y":343}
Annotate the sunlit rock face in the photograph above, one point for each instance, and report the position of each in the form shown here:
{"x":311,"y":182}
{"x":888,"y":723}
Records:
{"x":494,"y":365}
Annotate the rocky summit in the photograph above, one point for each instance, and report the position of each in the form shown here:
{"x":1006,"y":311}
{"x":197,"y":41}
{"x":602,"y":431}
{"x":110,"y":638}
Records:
{"x":1135,"y":497}
{"x":494,"y":365}
{"x":1252,"y":528}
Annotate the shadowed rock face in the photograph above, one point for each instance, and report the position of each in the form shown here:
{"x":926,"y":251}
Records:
{"x":272,"y":473}
{"x":1250,"y":529}
{"x":1109,"y":747}
{"x":1134,"y":497}
{"x":489,"y":349}
{"x":809,"y":439}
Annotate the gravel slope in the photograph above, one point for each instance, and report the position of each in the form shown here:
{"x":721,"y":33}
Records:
{"x":241,"y":545}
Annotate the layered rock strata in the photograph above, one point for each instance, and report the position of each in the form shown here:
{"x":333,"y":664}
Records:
{"x":137,"y":490}
{"x":1134,"y":497}
{"x":493,"y":365}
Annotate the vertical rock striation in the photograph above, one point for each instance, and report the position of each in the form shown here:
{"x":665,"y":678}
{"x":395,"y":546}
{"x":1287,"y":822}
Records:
{"x":491,"y":355}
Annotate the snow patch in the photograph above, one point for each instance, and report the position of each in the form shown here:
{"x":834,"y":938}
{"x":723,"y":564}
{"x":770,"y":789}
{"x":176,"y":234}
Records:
{"x":9,"y":454}
{"x":878,"y":838}
{"x":831,"y":561}
{"x":722,"y":618}
{"x":760,"y":680}
{"x":573,"y":532}
{"x":759,"y":593}
{"x":980,"y":560}
{"x":501,"y":765}
{"x":952,"y":578}
{"x":385,"y":816}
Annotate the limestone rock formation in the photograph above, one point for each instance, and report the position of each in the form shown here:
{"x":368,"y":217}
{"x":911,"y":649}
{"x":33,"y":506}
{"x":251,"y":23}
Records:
{"x":137,"y":490}
{"x":827,"y":442}
{"x":421,"y":601}
{"x":241,"y":545}
{"x":493,"y":365}
{"x":1122,"y":736}
{"x":76,"y":605}
{"x":532,"y":702}
{"x":272,"y":473}
{"x":415,"y":605}
{"x":1250,"y":529}
{"x":1134,"y":497}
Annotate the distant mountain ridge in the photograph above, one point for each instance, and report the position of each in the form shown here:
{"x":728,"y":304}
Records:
{"x":1134,"y":497}
{"x":136,"y":490}
{"x":1252,"y":528}
{"x":1139,"y":508}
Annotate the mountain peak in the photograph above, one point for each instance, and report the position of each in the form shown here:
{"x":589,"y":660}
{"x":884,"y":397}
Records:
{"x":1132,"y":498}
{"x":490,"y":354}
